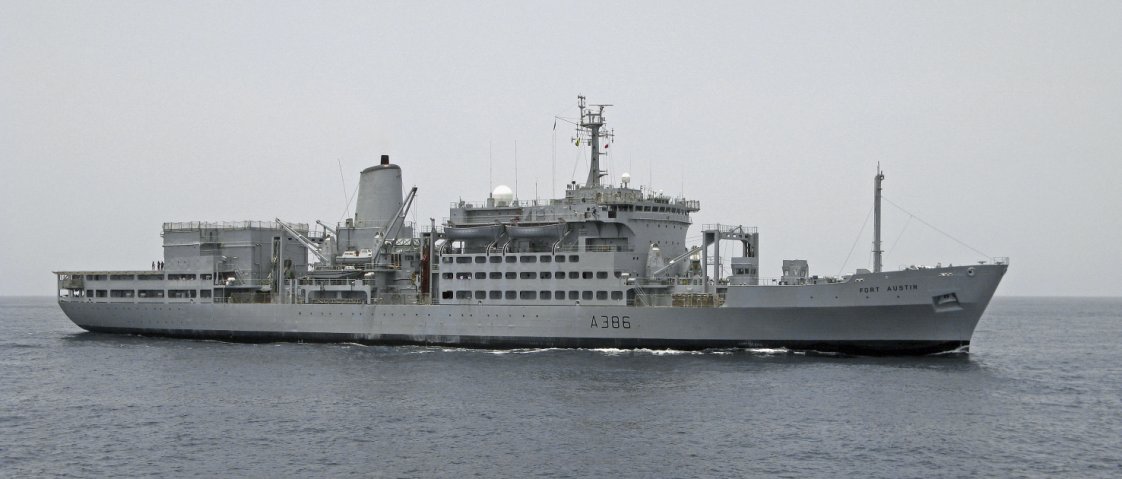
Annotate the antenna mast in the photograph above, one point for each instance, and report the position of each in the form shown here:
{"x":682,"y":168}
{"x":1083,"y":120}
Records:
{"x":876,"y":220}
{"x":516,"y":170}
{"x":593,"y":120}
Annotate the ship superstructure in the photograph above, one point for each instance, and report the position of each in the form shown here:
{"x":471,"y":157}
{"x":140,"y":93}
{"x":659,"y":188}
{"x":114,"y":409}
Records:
{"x":604,"y":265}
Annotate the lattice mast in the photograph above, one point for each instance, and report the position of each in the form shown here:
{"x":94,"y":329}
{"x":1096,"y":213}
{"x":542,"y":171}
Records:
{"x":592,"y":119}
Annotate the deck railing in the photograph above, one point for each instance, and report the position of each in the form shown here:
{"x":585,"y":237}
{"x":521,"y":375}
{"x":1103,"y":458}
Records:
{"x":231,"y":225}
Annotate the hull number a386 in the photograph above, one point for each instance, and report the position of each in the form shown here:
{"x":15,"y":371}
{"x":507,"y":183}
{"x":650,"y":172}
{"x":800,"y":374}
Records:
{"x":611,"y":322}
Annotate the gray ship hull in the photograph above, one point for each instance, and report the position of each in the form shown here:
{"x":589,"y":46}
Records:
{"x":887,"y":313}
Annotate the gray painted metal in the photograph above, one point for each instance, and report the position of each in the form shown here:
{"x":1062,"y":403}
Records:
{"x":585,"y":270}
{"x":877,"y":251}
{"x":889,"y":313}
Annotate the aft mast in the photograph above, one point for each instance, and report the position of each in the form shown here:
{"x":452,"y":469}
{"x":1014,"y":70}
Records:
{"x":876,"y":220}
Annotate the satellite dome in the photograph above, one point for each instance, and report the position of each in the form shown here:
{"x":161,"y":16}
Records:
{"x":625,"y":178}
{"x":502,"y":195}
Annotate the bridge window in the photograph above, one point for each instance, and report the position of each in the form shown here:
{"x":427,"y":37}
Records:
{"x":529,"y":259}
{"x":546,"y":258}
{"x":480,"y":294}
{"x":528,"y":275}
{"x":494,"y":294}
{"x":545,"y":295}
{"x":586,"y":295}
{"x":527,"y":295}
{"x":511,"y":259}
{"x":496,"y":259}
{"x":496,"y":275}
{"x":480,"y":275}
{"x":511,"y":294}
{"x":463,"y":294}
{"x":574,"y":294}
{"x":601,"y":275}
{"x":480,"y":259}
{"x":547,"y":275}
{"x":617,"y":294}
{"x":601,"y":295}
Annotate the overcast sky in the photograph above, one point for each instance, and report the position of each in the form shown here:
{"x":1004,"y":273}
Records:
{"x":1000,"y":123}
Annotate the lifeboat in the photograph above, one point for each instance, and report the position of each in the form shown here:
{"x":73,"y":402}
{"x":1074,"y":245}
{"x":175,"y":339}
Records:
{"x":549,"y":230}
{"x":488,"y":232}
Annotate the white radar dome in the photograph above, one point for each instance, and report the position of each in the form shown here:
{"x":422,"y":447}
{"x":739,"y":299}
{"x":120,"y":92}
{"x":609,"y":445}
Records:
{"x":502,"y":195}
{"x":625,"y":178}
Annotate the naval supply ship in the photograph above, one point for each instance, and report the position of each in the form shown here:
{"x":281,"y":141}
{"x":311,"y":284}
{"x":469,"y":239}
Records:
{"x":605,"y":266}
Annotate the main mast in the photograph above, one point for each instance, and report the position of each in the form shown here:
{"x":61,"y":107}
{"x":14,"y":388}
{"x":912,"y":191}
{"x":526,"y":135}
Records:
{"x":876,"y":220}
{"x":593,"y":120}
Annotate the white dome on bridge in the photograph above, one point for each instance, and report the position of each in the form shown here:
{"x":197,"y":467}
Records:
{"x":503,"y":195}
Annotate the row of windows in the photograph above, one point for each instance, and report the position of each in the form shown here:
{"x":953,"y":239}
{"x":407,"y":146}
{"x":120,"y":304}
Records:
{"x":148,"y":293}
{"x":545,"y":258}
{"x":530,"y":275}
{"x":535,"y":295}
{"x":146,"y":277}
{"x":652,"y":209}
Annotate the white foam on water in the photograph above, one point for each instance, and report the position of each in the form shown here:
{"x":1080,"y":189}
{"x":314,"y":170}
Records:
{"x":610,"y":351}
{"x":535,"y":350}
{"x":768,"y":351}
{"x":652,"y":352}
{"x":964,"y":349}
{"x":668,"y":352}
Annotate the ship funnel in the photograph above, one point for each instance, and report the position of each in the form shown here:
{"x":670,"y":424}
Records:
{"x":379,"y":194}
